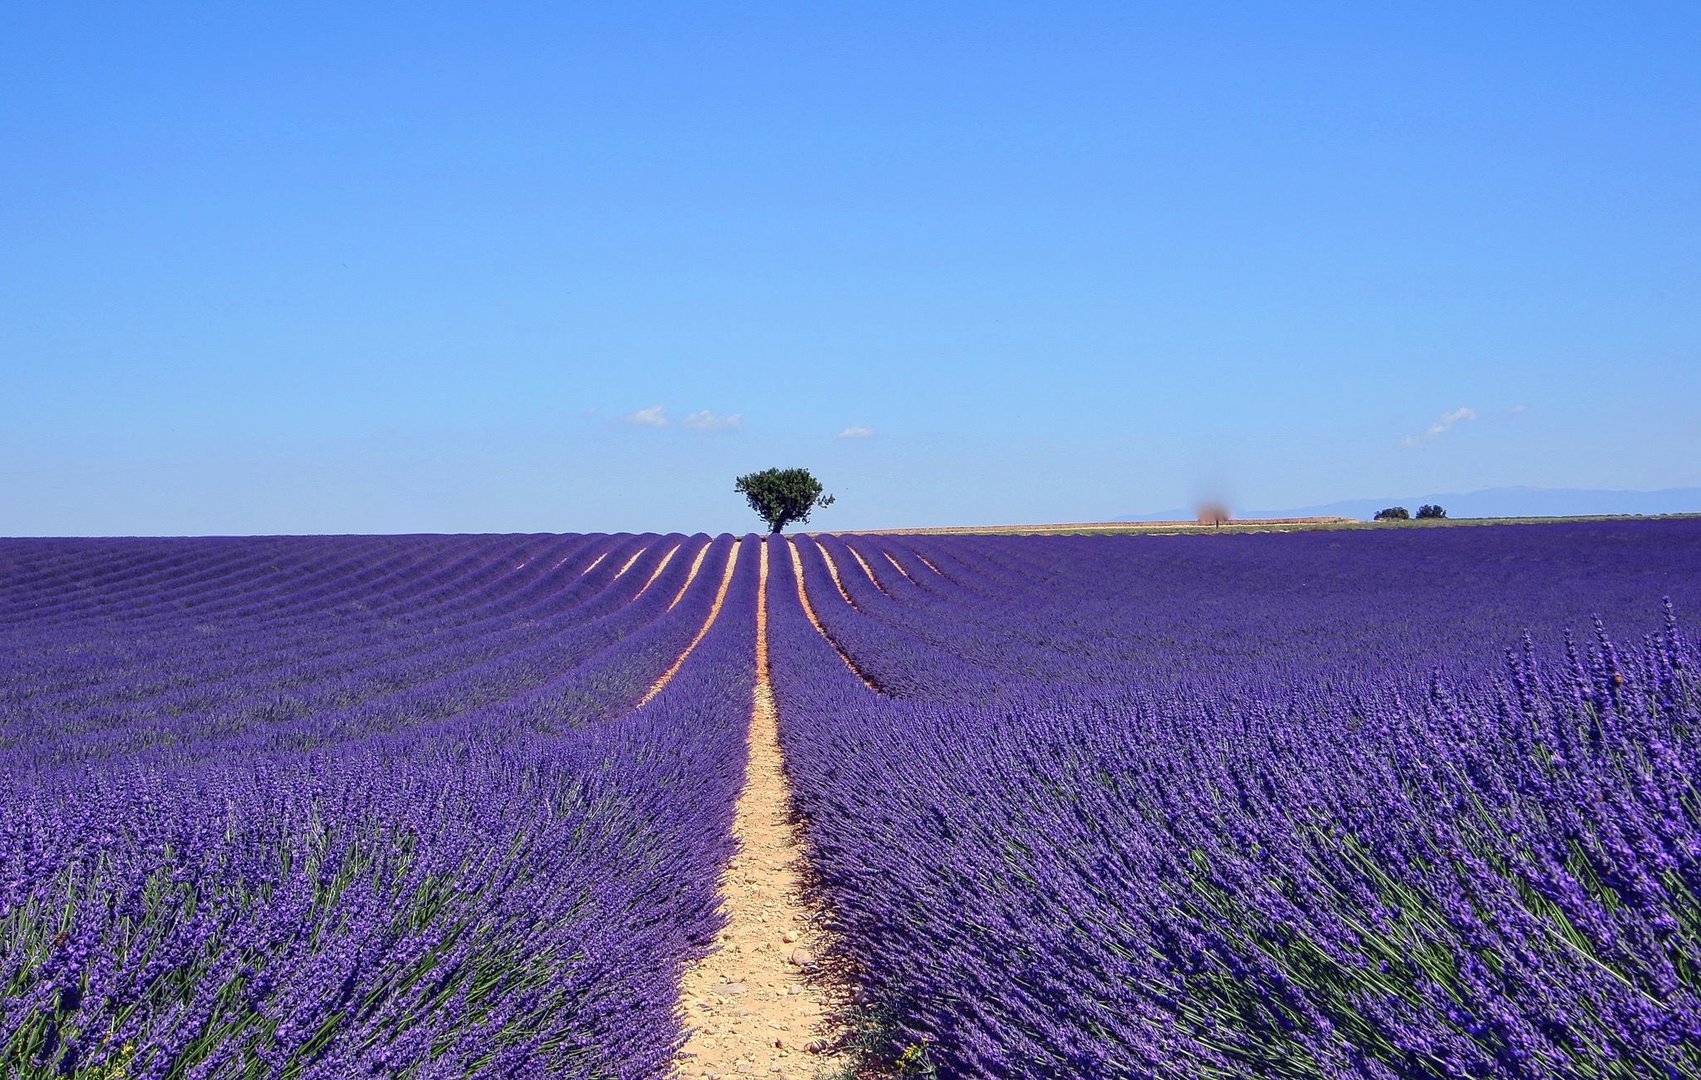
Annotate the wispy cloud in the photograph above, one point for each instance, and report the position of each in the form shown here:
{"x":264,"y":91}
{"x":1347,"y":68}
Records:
{"x":1441,"y":426}
{"x":654,"y":416}
{"x":709,"y":420}
{"x":856,"y":431}
{"x":1463,"y":412}
{"x":1516,"y":409}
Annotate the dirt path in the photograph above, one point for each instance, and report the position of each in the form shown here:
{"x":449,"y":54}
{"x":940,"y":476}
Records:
{"x":702,"y":631}
{"x":866,"y":569}
{"x":899,"y":567}
{"x":622,"y":571}
{"x":815,"y":620}
{"x":696,"y":565}
{"x":656,"y":573}
{"x":754,"y":1006}
{"x":594,"y":564}
{"x":833,"y":572}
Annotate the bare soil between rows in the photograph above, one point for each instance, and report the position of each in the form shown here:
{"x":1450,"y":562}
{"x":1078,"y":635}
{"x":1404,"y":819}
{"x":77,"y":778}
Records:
{"x":760,"y":1004}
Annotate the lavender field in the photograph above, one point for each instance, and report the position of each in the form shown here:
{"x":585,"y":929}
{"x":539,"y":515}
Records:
{"x":1285,"y":805}
{"x":1343,"y":804}
{"x":361,"y":806}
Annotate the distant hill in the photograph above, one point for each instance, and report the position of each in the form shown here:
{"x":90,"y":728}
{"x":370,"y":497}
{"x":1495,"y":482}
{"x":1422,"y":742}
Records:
{"x":1492,"y":502}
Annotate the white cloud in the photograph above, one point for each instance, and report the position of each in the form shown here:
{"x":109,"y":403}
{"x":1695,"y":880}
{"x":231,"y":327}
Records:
{"x":709,"y":420}
{"x":856,"y":431}
{"x":1516,"y":409}
{"x":654,"y":416}
{"x":1463,"y":412}
{"x":1448,"y":420}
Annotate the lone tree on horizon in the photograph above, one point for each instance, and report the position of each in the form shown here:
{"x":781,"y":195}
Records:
{"x":782,"y":496}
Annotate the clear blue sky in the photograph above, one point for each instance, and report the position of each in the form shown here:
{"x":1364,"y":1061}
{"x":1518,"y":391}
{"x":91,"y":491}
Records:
{"x":300,"y":268}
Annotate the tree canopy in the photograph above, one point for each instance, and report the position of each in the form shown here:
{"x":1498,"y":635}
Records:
{"x":782,"y":496}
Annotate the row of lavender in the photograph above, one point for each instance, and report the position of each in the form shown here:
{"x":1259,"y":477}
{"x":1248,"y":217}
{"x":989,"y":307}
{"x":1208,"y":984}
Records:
{"x":374,"y":806}
{"x":1272,"y":806}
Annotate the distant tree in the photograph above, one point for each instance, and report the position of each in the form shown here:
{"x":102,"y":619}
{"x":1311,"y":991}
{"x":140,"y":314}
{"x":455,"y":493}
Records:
{"x":1393,"y":513}
{"x":782,"y":496}
{"x":1212,"y":514}
{"x":1430,"y":511}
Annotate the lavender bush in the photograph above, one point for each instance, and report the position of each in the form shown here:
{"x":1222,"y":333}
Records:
{"x":360,"y":806}
{"x":1261,"y":805}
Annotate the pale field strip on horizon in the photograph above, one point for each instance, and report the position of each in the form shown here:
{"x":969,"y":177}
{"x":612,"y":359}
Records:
{"x":1091,"y":526}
